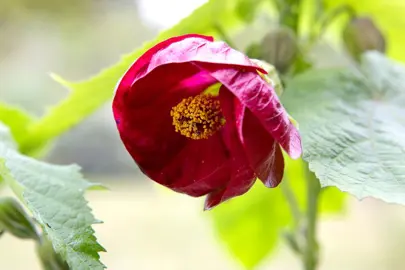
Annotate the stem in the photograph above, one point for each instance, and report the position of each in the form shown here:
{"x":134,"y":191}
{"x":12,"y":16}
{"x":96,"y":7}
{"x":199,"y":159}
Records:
{"x":330,"y":17}
{"x":319,"y":7}
{"x":310,"y":252}
{"x":292,"y":237}
{"x":322,"y":25}
{"x":292,"y":202}
{"x":289,"y":14}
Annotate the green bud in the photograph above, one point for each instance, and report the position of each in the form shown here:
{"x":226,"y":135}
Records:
{"x":13,"y":219}
{"x":254,"y":51}
{"x":271,"y":77}
{"x":49,"y":258}
{"x":279,"y":48}
{"x":361,"y":35}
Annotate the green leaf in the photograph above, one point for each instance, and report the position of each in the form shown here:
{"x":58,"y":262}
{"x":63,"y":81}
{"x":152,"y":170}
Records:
{"x":16,"y":119}
{"x":352,"y":124}
{"x":251,"y":225}
{"x":246,"y":9}
{"x":55,"y":196}
{"x":389,"y":17}
{"x":331,"y":201}
{"x":86,"y":96}
{"x":49,"y":259}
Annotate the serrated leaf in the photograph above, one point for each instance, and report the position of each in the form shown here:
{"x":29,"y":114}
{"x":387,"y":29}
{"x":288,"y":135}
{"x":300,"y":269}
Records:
{"x":55,"y":196}
{"x":352,"y":124}
{"x":331,"y":201}
{"x":251,"y":225}
{"x":86,"y":96}
{"x":388,"y":16}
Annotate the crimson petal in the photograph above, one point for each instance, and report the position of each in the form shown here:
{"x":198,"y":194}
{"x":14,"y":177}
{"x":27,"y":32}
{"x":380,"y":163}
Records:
{"x":242,"y":175}
{"x":143,"y":114}
{"x":262,"y":150}
{"x":201,"y":167}
{"x":143,"y":64}
{"x":260,"y":98}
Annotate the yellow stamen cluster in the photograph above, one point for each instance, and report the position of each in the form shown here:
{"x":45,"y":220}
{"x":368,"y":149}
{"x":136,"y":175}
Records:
{"x":197,"y":117}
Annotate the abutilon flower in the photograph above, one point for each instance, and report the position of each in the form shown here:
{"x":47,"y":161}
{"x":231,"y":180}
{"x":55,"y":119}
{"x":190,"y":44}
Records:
{"x":198,"y":118}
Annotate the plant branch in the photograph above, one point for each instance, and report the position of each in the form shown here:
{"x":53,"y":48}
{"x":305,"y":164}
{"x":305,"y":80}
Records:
{"x":310,"y":252}
{"x":292,"y":237}
{"x":292,"y":202}
{"x":331,"y":16}
{"x":289,"y":14}
{"x":320,"y":27}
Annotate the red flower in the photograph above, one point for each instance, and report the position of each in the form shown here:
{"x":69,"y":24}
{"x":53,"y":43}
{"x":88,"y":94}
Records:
{"x":199,"y":143}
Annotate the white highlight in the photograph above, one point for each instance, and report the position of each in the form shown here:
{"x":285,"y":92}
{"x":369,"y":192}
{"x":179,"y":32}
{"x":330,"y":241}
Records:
{"x":166,"y":13}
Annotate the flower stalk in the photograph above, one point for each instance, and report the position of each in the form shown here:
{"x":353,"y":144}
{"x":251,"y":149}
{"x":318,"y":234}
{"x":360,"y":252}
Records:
{"x":310,"y":250}
{"x":302,"y":240}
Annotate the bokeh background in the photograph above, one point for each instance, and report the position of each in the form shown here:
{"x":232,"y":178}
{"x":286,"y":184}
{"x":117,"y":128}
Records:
{"x":145,"y":227}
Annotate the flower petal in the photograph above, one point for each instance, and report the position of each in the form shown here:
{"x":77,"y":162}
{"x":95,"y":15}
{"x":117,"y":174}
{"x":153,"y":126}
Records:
{"x":201,"y":167}
{"x":261,"y":99}
{"x":142,"y":113}
{"x":263,"y":152}
{"x":185,"y":49}
{"x":142,"y":64}
{"x":242,"y":175}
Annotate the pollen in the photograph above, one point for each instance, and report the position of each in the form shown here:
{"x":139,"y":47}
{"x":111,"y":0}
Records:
{"x":198,"y":117}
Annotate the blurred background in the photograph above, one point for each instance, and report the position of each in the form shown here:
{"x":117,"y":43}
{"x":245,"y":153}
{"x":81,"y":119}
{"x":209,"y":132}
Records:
{"x":145,"y":227}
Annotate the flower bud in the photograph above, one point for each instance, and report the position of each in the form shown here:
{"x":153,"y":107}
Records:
{"x":14,"y":220}
{"x":279,"y":48}
{"x":271,"y":77}
{"x":361,"y":35}
{"x":49,"y":258}
{"x":254,"y":51}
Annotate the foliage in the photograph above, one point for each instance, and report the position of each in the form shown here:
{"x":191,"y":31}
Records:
{"x":251,"y":226}
{"x":352,"y":123}
{"x":55,"y":197}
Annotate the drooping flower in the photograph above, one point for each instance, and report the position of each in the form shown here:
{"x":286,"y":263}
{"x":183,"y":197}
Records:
{"x":192,"y":139}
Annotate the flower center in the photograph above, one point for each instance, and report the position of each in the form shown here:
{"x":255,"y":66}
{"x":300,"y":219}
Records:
{"x":198,"y":117}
